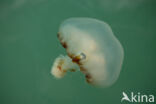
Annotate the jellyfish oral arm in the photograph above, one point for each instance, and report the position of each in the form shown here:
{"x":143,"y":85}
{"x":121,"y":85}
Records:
{"x":63,"y":64}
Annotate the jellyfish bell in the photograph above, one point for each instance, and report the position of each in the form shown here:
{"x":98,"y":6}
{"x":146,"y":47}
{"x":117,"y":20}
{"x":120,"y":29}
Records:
{"x":92,"y":48}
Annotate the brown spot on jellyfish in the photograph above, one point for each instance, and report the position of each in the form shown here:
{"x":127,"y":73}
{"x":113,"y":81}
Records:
{"x":91,"y":48}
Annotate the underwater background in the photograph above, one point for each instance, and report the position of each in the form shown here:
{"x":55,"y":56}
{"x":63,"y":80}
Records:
{"x":29,"y":46}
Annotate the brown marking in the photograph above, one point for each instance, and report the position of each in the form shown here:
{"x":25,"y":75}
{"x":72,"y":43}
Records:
{"x":64,"y":44}
{"x":82,"y":69}
{"x":60,"y":64}
{"x":70,"y":55}
{"x":88,"y":78}
{"x":76,"y":59}
{"x":64,"y":71}
{"x":72,"y":70}
{"x":59,"y":36}
{"x":59,"y":67}
{"x":88,"y":81}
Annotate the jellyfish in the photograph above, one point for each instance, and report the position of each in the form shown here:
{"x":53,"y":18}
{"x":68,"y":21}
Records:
{"x":91,"y":48}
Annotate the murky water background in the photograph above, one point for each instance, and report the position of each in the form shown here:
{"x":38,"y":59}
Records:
{"x":28,"y":47}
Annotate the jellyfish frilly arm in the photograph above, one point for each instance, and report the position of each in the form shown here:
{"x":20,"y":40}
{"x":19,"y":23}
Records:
{"x":61,"y":65}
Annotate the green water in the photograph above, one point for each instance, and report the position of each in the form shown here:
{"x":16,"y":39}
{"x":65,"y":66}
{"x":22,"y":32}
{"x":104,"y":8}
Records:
{"x":28,"y":47}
